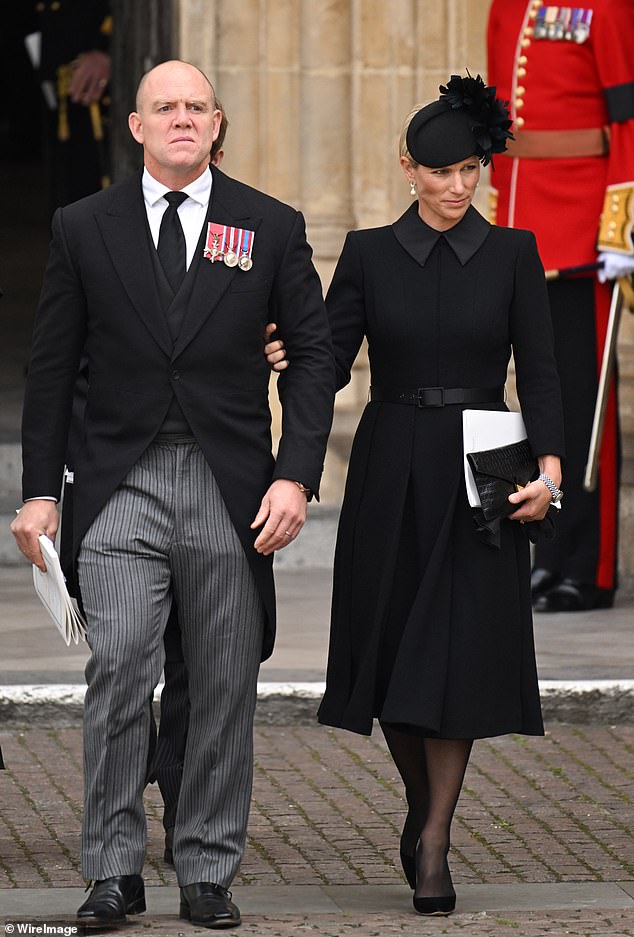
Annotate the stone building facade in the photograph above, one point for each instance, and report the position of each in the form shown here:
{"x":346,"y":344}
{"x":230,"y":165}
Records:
{"x":315,"y":92}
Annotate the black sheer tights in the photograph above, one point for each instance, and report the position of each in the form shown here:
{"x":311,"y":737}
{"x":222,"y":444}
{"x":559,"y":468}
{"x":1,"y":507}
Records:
{"x":408,"y":752}
{"x":432,"y":771}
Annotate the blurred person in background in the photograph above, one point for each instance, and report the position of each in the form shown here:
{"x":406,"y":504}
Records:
{"x":69,"y":46}
{"x":568,"y":73}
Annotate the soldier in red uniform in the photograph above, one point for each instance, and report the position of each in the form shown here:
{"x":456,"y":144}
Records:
{"x":568,"y":73}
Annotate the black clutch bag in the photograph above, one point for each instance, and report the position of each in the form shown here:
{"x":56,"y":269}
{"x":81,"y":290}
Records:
{"x":499,"y":472}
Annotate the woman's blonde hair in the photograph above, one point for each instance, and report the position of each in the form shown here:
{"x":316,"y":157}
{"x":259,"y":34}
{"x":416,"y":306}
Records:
{"x":402,"y":140}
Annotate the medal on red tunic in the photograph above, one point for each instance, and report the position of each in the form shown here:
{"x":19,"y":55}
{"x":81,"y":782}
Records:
{"x":581,"y":26}
{"x":557,"y":23}
{"x":540,"y":30}
{"x":566,"y":22}
{"x":552,"y":22}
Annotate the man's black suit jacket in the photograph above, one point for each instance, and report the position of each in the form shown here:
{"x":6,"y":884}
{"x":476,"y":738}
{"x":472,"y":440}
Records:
{"x":99,"y":296}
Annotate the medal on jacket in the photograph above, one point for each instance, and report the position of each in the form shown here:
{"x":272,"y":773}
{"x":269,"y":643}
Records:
{"x":581,"y":20}
{"x":246,"y":246}
{"x":231,"y":245}
{"x":231,"y":256}
{"x":553,"y":24}
{"x":540,"y":30}
{"x":215,"y":243}
{"x":569,"y":23}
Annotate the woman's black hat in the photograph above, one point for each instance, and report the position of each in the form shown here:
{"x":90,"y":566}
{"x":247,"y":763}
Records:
{"x":466,"y":120}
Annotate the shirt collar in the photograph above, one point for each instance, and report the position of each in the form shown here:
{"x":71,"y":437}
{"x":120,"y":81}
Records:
{"x":419,"y":239}
{"x":199,"y":190}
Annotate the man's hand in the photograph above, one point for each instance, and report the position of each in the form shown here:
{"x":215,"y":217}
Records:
{"x":283,"y":508}
{"x":90,"y":77}
{"x":274,"y":351}
{"x":35,"y":518}
{"x":614,"y":266}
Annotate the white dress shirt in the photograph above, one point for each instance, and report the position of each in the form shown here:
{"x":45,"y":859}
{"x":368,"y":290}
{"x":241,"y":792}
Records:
{"x":192,"y":214}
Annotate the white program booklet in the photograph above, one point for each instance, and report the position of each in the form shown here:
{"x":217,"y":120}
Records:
{"x":487,"y":429}
{"x":51,"y":588}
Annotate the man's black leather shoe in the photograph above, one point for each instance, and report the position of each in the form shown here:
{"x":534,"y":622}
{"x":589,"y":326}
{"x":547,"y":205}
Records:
{"x":168,"y":855}
{"x":541,"y":581}
{"x":570,"y":595}
{"x":111,"y":899}
{"x":209,"y":905}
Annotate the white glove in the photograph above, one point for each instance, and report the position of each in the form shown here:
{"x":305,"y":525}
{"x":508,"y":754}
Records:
{"x":614,"y":265}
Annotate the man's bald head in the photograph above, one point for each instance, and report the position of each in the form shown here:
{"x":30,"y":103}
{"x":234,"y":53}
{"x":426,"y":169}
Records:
{"x":176,"y":122}
{"x":159,"y":70}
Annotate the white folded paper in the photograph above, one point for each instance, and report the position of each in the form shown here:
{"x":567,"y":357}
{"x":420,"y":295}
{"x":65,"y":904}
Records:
{"x":51,"y":588}
{"x":487,"y":429}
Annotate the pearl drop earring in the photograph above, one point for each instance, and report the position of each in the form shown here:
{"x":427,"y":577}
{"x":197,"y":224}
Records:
{"x":412,"y":188}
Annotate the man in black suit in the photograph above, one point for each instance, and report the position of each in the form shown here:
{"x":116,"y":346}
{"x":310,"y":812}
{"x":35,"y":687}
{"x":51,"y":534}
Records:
{"x":166,"y":754}
{"x":166,"y":281}
{"x":167,"y":748}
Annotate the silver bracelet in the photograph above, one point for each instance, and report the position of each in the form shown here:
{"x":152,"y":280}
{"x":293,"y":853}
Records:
{"x":556,"y":494}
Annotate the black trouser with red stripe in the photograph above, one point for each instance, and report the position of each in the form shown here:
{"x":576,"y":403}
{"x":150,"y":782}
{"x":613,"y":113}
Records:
{"x":585,"y":547}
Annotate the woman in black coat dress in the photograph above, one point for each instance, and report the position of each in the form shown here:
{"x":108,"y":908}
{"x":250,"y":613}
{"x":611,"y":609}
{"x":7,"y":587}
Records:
{"x":431,"y":627}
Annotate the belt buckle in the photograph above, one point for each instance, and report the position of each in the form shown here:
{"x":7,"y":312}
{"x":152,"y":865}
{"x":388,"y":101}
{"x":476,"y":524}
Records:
{"x":430,"y":397}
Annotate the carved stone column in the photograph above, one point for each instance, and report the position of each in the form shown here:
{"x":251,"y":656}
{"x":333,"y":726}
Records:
{"x":325,"y":136}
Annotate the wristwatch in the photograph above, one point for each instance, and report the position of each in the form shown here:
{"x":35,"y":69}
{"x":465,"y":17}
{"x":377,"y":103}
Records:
{"x":556,"y":494}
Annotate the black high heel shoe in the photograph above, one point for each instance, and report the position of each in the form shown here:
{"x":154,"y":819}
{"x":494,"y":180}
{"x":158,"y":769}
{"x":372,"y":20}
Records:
{"x":440,"y":907}
{"x":437,"y":905}
{"x":409,"y":868}
{"x":408,"y":855}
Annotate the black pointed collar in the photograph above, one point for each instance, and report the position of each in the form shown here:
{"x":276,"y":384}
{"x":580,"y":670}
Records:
{"x":419,"y":239}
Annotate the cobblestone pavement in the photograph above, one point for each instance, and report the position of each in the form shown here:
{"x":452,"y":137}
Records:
{"x":328,"y":808}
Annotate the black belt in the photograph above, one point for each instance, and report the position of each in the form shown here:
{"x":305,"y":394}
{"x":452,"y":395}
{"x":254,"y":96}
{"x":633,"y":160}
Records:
{"x":437,"y":396}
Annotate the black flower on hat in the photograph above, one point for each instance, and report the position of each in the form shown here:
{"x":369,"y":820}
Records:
{"x":491,"y":121}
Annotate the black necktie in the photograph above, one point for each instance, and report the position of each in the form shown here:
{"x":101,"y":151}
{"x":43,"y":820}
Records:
{"x":171,"y":243}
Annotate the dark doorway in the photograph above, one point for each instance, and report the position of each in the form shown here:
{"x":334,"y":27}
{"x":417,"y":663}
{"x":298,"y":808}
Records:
{"x":142,"y":35}
{"x":24,"y":224}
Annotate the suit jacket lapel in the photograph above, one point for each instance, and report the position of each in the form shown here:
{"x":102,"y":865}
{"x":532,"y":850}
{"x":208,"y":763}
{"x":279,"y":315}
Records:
{"x":226,"y":206}
{"x":125,"y":233}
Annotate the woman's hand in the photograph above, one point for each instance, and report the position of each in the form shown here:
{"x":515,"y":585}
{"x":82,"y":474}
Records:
{"x":274,"y":351}
{"x":534,"y":500}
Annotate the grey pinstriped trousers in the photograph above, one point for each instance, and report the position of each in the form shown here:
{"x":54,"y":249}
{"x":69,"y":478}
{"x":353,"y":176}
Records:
{"x":166,"y":531}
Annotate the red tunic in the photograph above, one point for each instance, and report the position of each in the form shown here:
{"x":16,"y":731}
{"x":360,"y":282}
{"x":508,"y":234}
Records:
{"x":562,"y":84}
{"x":577,"y":204}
